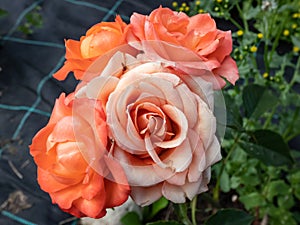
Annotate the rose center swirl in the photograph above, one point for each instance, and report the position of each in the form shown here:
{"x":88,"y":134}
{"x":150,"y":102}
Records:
{"x":153,"y":126}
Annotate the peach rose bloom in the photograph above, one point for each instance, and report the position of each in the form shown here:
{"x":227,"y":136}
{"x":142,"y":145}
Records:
{"x":161,"y":127}
{"x":197,"y":33}
{"x":98,"y":40}
{"x":59,"y":149}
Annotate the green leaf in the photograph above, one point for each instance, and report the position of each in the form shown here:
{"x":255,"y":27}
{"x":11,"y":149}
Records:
{"x":235,"y":182}
{"x":157,"y":206}
{"x":250,"y":179}
{"x":131,"y":218}
{"x":225,"y":182}
{"x":297,"y":191}
{"x":257,"y":100}
{"x":277,"y":187}
{"x":234,"y":119}
{"x":252,"y":13}
{"x":294,"y":178}
{"x":3,"y":12}
{"x":252,"y":200}
{"x":230,"y":217}
{"x":286,"y":201}
{"x":164,"y":223}
{"x":296,"y":41}
{"x":281,"y":216}
{"x":269,"y":147}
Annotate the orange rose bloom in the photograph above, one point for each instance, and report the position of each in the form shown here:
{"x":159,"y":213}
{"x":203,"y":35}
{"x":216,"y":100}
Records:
{"x":76,"y":131}
{"x":98,"y":40}
{"x":198,"y":33}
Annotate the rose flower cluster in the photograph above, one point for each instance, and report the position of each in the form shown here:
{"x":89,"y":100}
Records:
{"x":140,"y":123}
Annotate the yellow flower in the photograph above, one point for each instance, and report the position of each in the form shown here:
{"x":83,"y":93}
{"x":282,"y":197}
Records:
{"x":253,"y":49}
{"x":183,"y":4}
{"x":265,"y":75}
{"x":200,"y":11}
{"x":286,"y":32}
{"x":296,"y":15}
{"x":219,"y":1}
{"x":198,"y":2}
{"x":181,"y":9}
{"x":174,"y":4}
{"x":294,"y":25}
{"x":240,"y":33}
{"x":260,"y":35}
{"x":187,"y":8}
{"x":296,"y":49}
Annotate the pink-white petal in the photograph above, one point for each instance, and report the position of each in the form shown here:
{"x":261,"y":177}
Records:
{"x":144,"y":196}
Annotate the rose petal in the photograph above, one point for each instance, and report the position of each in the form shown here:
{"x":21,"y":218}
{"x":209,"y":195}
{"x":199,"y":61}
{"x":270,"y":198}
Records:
{"x":144,"y":196}
{"x":180,"y":120}
{"x":228,"y":70}
{"x":173,"y":193}
{"x":178,"y":178}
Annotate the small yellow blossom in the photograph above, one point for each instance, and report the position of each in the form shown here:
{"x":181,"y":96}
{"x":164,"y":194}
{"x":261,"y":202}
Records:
{"x":181,"y":9}
{"x":200,"y":11}
{"x":260,"y":35}
{"x":265,"y":75}
{"x":187,"y":8}
{"x":240,"y":33}
{"x":286,"y":32}
{"x":216,"y":9}
{"x":296,"y":15}
{"x":296,"y":49}
{"x":174,"y":4}
{"x":183,"y":4}
{"x":198,"y":2}
{"x":219,"y":1}
{"x":253,"y":49}
{"x":294,"y":25}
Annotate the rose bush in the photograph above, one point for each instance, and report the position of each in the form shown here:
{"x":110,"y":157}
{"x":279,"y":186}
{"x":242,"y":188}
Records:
{"x":161,"y":126}
{"x":77,"y":127}
{"x":197,"y":33}
{"x":98,"y":40}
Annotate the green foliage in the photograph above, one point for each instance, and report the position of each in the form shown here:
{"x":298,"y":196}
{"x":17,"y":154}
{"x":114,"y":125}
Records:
{"x":269,"y":147}
{"x":150,"y":211}
{"x":230,"y":217}
{"x":3,"y":12}
{"x":33,"y":21}
{"x":263,"y":111}
{"x":131,"y":218}
{"x":257,"y":100}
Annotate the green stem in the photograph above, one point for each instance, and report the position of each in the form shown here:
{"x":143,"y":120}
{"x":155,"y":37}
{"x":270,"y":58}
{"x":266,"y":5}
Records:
{"x":193,"y":210}
{"x":181,"y":210}
{"x":266,"y":46}
{"x":216,"y":191}
{"x":235,"y":23}
{"x":270,"y":117}
{"x":296,"y":74}
{"x":291,"y":125}
{"x":286,"y":134}
{"x":241,"y":13}
{"x":276,"y":41}
{"x":292,"y":136}
{"x":253,"y":59}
